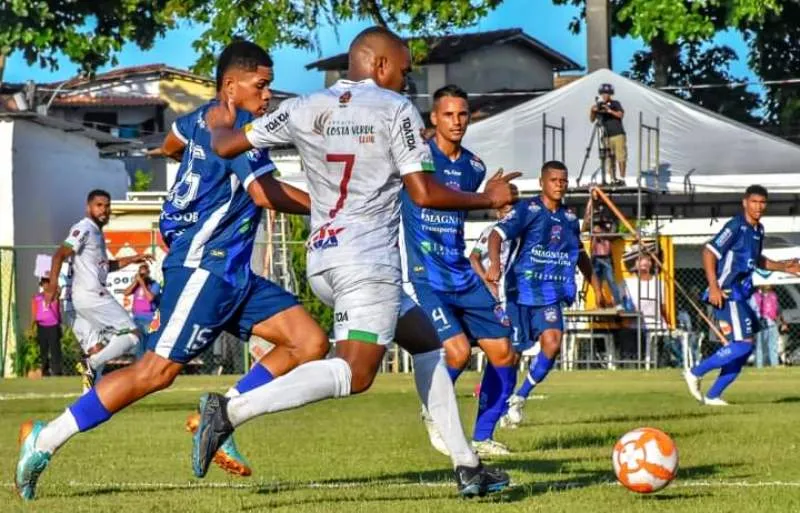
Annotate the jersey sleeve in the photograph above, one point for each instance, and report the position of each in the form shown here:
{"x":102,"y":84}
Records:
{"x":182,"y":127}
{"x":724,"y":240}
{"x":78,"y":235}
{"x":272,"y":129}
{"x":482,"y":244}
{"x":249,"y":166}
{"x":515,"y":222}
{"x":409,"y":151}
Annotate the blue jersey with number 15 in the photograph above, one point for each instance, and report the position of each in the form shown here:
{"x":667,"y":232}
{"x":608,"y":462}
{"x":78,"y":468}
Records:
{"x":208,"y":220}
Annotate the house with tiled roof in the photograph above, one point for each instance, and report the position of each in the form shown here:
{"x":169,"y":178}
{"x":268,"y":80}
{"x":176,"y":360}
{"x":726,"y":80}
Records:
{"x":492,"y":62}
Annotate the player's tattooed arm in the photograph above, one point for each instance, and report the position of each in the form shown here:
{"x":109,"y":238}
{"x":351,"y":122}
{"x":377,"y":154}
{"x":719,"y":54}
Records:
{"x":788,"y":266}
{"x":269,"y":192}
{"x":585,"y":266}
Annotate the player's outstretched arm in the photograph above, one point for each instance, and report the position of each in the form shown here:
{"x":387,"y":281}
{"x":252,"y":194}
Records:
{"x":788,"y":266}
{"x":114,"y":265}
{"x":427,"y":192}
{"x":171,"y":148}
{"x":269,"y":192}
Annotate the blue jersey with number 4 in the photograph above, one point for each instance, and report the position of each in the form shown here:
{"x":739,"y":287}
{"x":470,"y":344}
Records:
{"x":208,"y":220}
{"x":434,"y":239}
{"x":544,"y":271}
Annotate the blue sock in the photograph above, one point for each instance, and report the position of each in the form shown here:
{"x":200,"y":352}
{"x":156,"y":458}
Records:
{"x":538,"y":371}
{"x":257,"y":376}
{"x":727,"y":375}
{"x":88,"y":411}
{"x":454,"y":373}
{"x":496,"y":388}
{"x":723,"y":356}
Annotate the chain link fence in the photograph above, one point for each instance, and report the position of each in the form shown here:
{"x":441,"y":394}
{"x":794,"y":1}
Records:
{"x":614,"y":341}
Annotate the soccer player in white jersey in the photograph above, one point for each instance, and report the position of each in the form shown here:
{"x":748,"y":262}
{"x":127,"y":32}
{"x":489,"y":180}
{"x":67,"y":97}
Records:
{"x":103,"y":327}
{"x":479,"y":257}
{"x":360,"y":142}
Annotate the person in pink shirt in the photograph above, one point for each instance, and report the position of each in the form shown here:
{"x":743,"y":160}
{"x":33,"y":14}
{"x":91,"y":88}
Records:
{"x":765,"y":304}
{"x":48,"y":331}
{"x":146,"y":293}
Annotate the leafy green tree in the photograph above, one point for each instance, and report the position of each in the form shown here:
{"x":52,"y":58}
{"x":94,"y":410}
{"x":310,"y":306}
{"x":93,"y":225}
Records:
{"x":298,"y":233}
{"x":142,"y":180}
{"x":88,"y":32}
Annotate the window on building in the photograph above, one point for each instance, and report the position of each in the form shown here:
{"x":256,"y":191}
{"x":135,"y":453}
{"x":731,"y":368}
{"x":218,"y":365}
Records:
{"x":104,"y":121}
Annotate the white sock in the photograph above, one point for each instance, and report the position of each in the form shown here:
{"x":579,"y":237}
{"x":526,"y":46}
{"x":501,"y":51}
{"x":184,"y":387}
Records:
{"x":116,"y":347}
{"x":57,"y":432}
{"x":435,"y":389}
{"x":308,"y":383}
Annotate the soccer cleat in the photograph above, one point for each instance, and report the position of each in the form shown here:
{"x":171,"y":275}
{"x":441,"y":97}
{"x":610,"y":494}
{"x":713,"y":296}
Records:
{"x":213,"y":430}
{"x":87,"y":374}
{"x":228,"y":457}
{"x":480,"y":480}
{"x":31,"y":461}
{"x":513,"y":417}
{"x":716,"y":401}
{"x":489,"y":447}
{"x":693,"y":382}
{"x":433,"y":434}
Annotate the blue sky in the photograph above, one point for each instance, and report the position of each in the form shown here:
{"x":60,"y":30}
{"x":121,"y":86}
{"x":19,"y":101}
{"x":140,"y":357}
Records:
{"x":547,"y":22}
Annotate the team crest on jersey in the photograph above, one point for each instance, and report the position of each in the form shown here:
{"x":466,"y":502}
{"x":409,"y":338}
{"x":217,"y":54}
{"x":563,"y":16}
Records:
{"x":550,"y":314}
{"x":477,"y":164}
{"x":555,"y":233}
{"x":570,"y":215}
{"x":345,"y":98}
{"x":534,"y":207}
{"x":325,"y":238}
{"x":75,"y":233}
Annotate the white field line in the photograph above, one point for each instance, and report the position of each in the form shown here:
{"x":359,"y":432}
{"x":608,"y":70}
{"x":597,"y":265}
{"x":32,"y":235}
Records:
{"x":560,"y":485}
{"x":68,"y":395}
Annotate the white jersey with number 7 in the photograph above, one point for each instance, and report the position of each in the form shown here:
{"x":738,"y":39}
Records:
{"x":355,"y":140}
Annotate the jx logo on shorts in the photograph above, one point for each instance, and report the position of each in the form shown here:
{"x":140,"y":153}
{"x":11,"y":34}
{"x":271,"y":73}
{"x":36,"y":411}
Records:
{"x":325,"y":237}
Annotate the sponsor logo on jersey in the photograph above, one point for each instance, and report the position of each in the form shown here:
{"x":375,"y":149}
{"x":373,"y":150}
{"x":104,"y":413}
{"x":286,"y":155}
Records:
{"x":427,"y":166}
{"x":320,"y":121}
{"x":341,"y":316}
{"x":724,"y":237}
{"x":408,"y":133}
{"x":428,"y":217}
{"x":477,"y":164}
{"x":452,"y":172}
{"x":725,"y":328}
{"x":245,"y":226}
{"x":555,"y":233}
{"x":569,"y":214}
{"x":182,"y":217}
{"x":419,"y":269}
{"x":326,"y":237}
{"x":426,"y":247}
{"x":277,"y":121}
{"x":550,"y":314}
{"x":364,"y":133}
{"x":534,"y":207}
{"x":217,"y":253}
{"x":345,"y":98}
{"x":453,"y":185}
{"x":197,"y":152}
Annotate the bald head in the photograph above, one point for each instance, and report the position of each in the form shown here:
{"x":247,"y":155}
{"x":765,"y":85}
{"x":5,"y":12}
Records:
{"x":379,"y":54}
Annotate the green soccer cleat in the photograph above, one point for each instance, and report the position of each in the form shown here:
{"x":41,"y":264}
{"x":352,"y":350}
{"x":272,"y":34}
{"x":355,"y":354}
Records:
{"x":31,"y":461}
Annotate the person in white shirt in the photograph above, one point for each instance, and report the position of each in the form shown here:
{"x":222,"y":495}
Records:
{"x":479,"y":257}
{"x":102,"y":326}
{"x":645,"y":290}
{"x":360,"y":141}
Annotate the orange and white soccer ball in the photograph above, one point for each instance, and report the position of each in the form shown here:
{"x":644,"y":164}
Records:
{"x":645,"y":460}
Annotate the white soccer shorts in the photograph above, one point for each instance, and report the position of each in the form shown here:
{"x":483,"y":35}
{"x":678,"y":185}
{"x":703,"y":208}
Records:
{"x":97,"y":319}
{"x":365,"y":300}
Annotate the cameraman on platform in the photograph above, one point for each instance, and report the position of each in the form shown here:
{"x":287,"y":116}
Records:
{"x":610,"y":114}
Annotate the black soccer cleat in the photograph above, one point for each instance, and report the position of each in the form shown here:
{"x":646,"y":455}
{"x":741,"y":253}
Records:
{"x":480,"y":480}
{"x":213,"y":430}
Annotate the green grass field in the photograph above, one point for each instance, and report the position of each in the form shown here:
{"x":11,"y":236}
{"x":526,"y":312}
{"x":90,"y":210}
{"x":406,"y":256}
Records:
{"x":370,"y":453}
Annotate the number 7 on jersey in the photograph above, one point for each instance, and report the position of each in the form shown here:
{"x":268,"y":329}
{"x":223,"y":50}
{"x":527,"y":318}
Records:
{"x":348,"y":159}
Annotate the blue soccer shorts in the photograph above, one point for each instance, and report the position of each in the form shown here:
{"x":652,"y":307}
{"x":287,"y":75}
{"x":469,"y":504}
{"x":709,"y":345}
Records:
{"x":530,"y":322}
{"x":196,"y":306}
{"x":474,"y":311}
{"x":736,"y":320}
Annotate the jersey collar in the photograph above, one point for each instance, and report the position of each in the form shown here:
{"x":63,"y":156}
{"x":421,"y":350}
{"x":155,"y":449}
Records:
{"x":435,"y":149}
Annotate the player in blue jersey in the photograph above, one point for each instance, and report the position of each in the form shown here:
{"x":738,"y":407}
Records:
{"x":209,"y":222}
{"x":541,"y":280}
{"x":729,"y":260}
{"x":441,"y":280}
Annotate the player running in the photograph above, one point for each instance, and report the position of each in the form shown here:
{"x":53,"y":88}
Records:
{"x":542,"y":277}
{"x":440,"y":278}
{"x":102,"y":326}
{"x":729,"y":260}
{"x":360,"y":142}
{"x":209,"y":222}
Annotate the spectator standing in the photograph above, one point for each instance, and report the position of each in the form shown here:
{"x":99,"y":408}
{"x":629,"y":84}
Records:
{"x":765,"y":304}
{"x":146,"y":293}
{"x":48,"y":331}
{"x":602,"y":262}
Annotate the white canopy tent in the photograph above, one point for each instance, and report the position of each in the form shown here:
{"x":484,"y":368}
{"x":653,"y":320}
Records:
{"x":719,"y":153}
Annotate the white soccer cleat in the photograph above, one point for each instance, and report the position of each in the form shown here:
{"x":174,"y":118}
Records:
{"x":717,"y":401}
{"x":693,"y":382}
{"x":489,"y":448}
{"x":433,"y":434}
{"x":513,"y":417}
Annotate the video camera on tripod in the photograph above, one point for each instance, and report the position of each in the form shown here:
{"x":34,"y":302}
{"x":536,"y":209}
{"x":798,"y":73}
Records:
{"x":599,"y":102}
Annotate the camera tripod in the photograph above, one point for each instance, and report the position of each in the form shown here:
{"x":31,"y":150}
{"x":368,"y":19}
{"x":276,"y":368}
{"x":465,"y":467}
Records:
{"x":605,"y":154}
